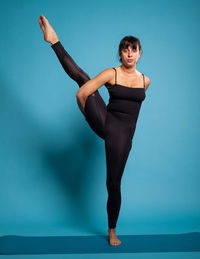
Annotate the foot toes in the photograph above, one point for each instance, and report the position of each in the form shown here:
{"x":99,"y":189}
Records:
{"x":115,"y":242}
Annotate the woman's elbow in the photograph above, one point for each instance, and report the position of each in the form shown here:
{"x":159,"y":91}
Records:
{"x":80,"y":95}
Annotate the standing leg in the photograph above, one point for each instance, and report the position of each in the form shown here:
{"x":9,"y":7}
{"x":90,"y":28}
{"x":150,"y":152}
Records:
{"x":118,"y":143}
{"x":117,"y":151}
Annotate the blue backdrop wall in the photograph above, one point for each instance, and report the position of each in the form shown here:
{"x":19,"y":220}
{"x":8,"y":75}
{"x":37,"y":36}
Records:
{"x":52,"y":165}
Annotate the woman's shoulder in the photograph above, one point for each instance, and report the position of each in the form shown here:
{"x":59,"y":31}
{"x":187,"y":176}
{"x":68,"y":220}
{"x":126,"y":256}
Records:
{"x":147,"y":81}
{"x":109,"y":70}
{"x":110,"y":75}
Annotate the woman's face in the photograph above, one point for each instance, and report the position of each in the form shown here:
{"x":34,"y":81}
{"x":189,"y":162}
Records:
{"x":130,"y":56}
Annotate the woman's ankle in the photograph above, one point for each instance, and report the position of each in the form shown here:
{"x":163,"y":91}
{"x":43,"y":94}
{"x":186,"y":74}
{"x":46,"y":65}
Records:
{"x":111,"y":230}
{"x":54,"y":41}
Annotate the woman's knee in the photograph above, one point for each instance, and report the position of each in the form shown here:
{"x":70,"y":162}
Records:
{"x":113,"y":186}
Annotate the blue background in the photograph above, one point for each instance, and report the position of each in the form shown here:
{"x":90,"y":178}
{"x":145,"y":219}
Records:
{"x":52,"y":165}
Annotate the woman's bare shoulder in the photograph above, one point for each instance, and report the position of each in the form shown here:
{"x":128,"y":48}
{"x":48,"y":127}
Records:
{"x":109,"y":73}
{"x":109,"y":70}
{"x":147,"y":81}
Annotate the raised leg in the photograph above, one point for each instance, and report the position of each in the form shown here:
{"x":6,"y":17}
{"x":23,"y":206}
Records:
{"x":95,"y":107}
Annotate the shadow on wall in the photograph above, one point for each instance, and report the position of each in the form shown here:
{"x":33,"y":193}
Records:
{"x":26,"y":144}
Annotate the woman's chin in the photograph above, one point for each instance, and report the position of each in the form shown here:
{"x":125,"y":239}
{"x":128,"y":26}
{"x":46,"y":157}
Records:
{"x":130,"y":64}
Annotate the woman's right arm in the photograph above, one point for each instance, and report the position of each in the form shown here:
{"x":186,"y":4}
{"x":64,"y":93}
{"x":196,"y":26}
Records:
{"x":92,"y":86}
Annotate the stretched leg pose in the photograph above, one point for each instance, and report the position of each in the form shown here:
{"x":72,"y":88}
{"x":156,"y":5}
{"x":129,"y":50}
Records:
{"x":105,"y":125}
{"x":95,"y":106}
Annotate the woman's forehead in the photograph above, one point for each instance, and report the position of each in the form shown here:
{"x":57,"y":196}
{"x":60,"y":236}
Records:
{"x":131,"y":47}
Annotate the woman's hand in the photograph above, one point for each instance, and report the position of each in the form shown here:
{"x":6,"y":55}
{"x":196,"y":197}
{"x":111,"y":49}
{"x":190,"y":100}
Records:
{"x":81,"y":103}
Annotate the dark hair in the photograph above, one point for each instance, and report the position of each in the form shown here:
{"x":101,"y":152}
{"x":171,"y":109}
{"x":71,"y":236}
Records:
{"x":129,"y":41}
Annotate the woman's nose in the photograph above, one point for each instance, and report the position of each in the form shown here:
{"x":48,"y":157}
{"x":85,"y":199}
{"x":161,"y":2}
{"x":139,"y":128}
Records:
{"x":130,"y":52}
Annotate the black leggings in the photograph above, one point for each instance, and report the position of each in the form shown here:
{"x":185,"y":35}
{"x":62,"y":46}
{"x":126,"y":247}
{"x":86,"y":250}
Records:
{"x":95,"y":107}
{"x":96,"y":114}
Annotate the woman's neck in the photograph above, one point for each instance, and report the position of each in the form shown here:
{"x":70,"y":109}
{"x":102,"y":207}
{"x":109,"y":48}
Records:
{"x":130,"y":71}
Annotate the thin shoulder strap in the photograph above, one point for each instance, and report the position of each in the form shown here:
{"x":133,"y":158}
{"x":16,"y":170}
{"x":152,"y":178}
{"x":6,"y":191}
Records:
{"x":143,"y":80}
{"x":115,"y":75}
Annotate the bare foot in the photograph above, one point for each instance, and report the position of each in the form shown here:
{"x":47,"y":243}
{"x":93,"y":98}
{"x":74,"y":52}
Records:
{"x":114,"y":241}
{"x":49,"y":33}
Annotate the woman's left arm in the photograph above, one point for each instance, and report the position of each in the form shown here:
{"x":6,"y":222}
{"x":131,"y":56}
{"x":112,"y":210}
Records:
{"x":147,"y":82}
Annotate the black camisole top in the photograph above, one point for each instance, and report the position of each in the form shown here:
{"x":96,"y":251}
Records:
{"x":125,"y":99}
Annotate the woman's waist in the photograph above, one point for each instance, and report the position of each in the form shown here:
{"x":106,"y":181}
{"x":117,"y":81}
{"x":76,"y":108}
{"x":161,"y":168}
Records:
{"x":123,"y":106}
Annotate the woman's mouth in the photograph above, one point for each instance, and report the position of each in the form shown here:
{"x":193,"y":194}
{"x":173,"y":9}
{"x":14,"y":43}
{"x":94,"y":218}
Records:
{"x":130,"y":60}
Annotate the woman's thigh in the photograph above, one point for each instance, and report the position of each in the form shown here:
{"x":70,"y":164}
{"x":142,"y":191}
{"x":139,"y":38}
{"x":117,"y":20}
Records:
{"x":96,"y":112}
{"x":118,"y":143}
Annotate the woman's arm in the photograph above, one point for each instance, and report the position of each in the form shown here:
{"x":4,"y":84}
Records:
{"x":92,"y":86}
{"x":147,"y":82}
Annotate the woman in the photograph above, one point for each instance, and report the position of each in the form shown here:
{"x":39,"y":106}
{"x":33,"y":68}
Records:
{"x":116,"y":122}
